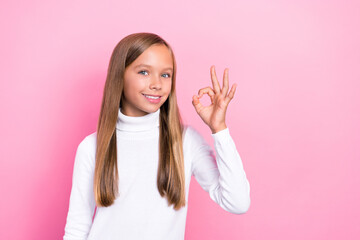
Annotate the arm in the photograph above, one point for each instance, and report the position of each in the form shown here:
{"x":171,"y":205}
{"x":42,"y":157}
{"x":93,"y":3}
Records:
{"x":82,"y":202}
{"x":223,"y":176}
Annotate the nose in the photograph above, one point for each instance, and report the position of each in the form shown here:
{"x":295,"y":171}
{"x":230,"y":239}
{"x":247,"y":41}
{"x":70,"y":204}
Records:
{"x":155,"y":83}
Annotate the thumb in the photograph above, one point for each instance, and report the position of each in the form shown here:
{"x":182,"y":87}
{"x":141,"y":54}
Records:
{"x":197,"y":104}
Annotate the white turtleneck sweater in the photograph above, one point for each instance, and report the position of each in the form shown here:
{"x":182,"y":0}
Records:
{"x":140,"y":212}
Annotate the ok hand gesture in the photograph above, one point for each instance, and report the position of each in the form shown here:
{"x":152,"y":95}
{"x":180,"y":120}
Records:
{"x":214,"y":114}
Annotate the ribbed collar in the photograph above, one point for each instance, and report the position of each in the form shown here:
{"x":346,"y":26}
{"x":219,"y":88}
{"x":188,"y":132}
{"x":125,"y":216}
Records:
{"x":147,"y":122}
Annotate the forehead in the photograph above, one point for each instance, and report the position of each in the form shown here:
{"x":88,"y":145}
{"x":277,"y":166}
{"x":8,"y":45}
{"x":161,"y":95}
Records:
{"x":156,"y":56}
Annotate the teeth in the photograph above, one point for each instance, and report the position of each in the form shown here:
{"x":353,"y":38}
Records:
{"x":151,"y":97}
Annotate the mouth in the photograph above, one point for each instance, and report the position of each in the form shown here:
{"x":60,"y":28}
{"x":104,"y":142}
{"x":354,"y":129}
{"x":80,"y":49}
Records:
{"x":153,"y":99}
{"x":149,"y":96}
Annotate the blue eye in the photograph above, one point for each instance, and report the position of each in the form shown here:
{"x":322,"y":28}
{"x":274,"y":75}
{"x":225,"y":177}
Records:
{"x":167,"y":74}
{"x":144,"y":71}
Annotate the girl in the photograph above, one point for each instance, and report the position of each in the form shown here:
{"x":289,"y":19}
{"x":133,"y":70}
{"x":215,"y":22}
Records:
{"x":136,"y":168}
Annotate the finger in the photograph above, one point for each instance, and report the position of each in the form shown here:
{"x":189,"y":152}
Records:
{"x":231,"y":94}
{"x":197,"y":104}
{"x":214,"y":80}
{"x":209,"y":91}
{"x":225,"y":88}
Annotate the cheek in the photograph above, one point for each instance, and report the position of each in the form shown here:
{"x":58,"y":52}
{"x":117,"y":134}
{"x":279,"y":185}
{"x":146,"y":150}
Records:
{"x":168,"y":86}
{"x":133,"y":85}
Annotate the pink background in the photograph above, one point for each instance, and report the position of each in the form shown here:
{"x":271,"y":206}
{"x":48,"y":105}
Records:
{"x":295,"y":115}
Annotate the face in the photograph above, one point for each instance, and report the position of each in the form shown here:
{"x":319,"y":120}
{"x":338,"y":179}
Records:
{"x":147,"y":81}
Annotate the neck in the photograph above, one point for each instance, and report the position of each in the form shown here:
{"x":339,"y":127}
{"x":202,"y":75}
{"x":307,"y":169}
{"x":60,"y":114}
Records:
{"x":147,"y":122}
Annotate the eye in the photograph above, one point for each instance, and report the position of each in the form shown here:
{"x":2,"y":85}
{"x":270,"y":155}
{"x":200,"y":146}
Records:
{"x":142,"y":71}
{"x":168,"y":75}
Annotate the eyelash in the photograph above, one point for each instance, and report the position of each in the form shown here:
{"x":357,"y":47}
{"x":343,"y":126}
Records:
{"x":165,"y":73}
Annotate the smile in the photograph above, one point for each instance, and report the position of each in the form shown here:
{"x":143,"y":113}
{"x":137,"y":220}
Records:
{"x":152,"y":97}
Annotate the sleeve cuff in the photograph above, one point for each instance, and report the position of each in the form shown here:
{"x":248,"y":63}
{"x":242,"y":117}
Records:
{"x":220,"y":135}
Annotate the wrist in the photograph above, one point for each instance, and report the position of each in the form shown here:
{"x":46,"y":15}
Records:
{"x":218,"y":129}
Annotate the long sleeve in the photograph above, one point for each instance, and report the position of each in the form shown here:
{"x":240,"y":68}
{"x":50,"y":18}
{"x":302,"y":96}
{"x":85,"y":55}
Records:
{"x":222,"y":177}
{"x":82,"y":202}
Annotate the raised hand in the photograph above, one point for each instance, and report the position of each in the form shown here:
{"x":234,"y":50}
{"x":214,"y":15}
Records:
{"x":214,"y":114}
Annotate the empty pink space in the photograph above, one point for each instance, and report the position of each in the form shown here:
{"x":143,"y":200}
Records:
{"x":294,"y":118}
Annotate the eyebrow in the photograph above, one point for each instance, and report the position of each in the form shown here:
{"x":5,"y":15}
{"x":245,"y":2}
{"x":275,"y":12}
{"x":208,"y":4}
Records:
{"x":145,"y":65}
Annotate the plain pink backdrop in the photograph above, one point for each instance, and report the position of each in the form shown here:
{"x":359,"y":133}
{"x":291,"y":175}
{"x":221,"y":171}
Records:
{"x":294,"y":118}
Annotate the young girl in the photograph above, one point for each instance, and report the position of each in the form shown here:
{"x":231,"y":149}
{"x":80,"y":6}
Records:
{"x":136,"y":169}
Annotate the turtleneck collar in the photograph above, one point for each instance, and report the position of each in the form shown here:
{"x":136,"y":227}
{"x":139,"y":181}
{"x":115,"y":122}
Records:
{"x":147,"y":122}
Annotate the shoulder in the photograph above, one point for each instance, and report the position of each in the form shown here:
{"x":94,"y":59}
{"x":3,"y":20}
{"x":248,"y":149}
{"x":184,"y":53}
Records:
{"x":87,"y":145}
{"x":189,"y":132}
{"x":192,"y":136}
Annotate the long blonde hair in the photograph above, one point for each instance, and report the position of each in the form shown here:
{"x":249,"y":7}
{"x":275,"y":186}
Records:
{"x":171,"y":174}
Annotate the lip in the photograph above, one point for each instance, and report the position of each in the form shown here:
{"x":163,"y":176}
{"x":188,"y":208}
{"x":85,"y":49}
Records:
{"x":153,"y":101}
{"x":152,"y":95}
